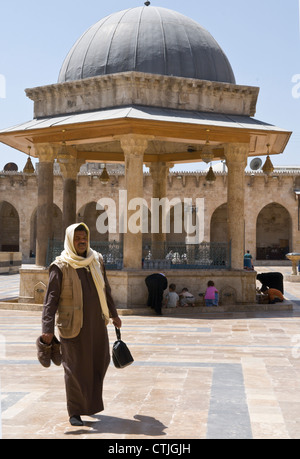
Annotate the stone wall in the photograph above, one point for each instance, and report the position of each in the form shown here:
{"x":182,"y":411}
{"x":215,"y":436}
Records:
{"x":271,"y":207}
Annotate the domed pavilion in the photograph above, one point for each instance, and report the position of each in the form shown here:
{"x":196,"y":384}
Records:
{"x":145,"y":86}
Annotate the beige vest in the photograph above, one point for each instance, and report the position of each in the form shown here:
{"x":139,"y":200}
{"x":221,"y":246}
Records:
{"x":70,"y":307}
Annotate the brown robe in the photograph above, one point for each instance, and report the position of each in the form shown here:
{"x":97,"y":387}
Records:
{"x":86,"y":357}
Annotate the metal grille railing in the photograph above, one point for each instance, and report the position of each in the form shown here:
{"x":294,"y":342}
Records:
{"x":165,"y":255}
{"x":112,"y":252}
{"x":172,"y":255}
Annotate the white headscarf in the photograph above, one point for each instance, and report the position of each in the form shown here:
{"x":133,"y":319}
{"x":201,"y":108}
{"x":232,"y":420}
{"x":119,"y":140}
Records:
{"x":91,"y":261}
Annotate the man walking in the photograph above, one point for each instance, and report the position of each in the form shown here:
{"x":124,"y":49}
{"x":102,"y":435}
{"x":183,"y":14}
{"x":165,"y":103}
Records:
{"x":79,"y":292}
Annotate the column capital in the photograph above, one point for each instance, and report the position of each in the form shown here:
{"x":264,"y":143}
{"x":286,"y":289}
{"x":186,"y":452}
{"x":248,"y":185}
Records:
{"x":134,"y":144}
{"x":159,"y":168}
{"x":236,"y":153}
{"x":70,"y":167}
{"x":46,"y":152}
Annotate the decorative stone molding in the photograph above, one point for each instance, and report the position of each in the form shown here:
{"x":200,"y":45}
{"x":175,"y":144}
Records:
{"x":135,"y":88}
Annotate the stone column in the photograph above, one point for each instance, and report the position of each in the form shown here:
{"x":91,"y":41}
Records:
{"x":134,"y":147}
{"x":236,"y":160}
{"x":46,"y":156}
{"x":25,"y":227}
{"x":69,"y":168}
{"x":159,"y":173}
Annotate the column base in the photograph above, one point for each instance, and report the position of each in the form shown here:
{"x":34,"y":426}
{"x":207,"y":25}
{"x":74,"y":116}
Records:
{"x":33,"y":284}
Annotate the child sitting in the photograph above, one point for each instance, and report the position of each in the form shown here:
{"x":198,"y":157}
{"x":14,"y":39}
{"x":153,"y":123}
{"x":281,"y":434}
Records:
{"x":172,"y":298}
{"x":186,"y":298}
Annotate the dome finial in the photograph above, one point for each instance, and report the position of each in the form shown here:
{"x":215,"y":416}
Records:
{"x":147,"y":3}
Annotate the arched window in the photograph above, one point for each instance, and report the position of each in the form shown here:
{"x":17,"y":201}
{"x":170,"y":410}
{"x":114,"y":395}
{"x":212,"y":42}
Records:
{"x":218,"y":226}
{"x":10,"y":228}
{"x":88,"y":214}
{"x":273,"y":232}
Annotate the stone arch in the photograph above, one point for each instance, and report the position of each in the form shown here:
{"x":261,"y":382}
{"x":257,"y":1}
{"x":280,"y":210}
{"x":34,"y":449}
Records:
{"x":172,"y":236}
{"x":88,"y":214}
{"x":218,"y":225}
{"x":57,"y":230}
{"x":145,"y":224}
{"x":273,"y":232}
{"x":171,"y":216}
{"x":10,"y":228}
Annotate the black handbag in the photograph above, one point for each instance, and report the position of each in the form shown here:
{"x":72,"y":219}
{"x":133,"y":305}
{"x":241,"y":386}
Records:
{"x":121,"y":355}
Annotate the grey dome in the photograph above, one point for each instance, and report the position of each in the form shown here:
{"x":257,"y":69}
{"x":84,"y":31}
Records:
{"x":150,"y":40}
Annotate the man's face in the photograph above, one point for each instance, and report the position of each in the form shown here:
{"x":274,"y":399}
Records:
{"x":80,"y":242}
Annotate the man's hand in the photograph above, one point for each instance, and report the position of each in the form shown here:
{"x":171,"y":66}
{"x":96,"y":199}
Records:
{"x":47,"y":338}
{"x":117,"y":322}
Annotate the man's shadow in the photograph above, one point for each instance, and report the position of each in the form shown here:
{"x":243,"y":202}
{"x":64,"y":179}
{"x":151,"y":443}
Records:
{"x":140,"y":425}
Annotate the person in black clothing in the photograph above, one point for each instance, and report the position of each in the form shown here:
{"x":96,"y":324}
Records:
{"x":156,"y":284}
{"x":272,"y":280}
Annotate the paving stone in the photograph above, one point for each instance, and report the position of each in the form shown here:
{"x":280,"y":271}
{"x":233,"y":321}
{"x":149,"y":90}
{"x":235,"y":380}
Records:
{"x":198,"y":376}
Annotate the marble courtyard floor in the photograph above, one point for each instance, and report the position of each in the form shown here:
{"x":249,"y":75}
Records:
{"x":195,"y":376}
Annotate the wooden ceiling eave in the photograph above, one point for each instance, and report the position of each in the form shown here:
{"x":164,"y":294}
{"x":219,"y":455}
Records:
{"x":108,"y":130}
{"x":165,"y":130}
{"x":74,"y":132}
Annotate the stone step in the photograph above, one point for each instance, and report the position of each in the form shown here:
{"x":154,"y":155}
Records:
{"x":285,"y":306}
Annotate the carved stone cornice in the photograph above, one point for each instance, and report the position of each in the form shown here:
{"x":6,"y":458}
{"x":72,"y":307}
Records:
{"x":136,"y":88}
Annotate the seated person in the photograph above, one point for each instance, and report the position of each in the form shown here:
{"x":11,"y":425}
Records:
{"x":171,"y":298}
{"x":274,"y":295}
{"x":186,"y":298}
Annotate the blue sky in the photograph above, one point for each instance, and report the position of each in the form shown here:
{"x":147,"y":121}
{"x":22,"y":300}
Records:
{"x":261,"y":39}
